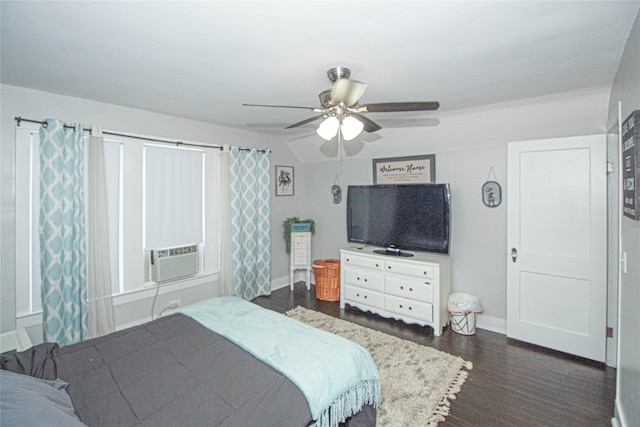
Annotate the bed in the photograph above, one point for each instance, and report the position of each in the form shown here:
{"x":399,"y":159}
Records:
{"x":176,"y":370}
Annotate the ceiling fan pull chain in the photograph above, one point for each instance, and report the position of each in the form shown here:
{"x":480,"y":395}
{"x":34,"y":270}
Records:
{"x":336,"y":190}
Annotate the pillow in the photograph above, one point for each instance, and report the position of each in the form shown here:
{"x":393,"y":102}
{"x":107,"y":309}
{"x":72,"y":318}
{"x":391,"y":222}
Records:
{"x":27,"y":401}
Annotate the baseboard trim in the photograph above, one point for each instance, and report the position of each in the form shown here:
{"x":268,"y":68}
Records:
{"x":490,"y":323}
{"x":619,"y":419}
{"x":283,"y":282}
{"x":279,"y":283}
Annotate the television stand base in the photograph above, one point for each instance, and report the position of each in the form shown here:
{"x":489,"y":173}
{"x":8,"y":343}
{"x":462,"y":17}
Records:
{"x":392,"y":252}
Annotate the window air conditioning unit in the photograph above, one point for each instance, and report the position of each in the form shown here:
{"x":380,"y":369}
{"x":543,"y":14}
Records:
{"x":173,"y":263}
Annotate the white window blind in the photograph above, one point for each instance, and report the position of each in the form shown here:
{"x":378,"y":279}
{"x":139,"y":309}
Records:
{"x":173,"y":188}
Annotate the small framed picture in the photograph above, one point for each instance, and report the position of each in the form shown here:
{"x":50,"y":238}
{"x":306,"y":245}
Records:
{"x":284,"y":180}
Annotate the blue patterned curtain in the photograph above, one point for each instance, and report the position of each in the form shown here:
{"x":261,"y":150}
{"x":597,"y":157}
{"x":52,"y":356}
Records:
{"x":250,"y":222}
{"x":62,"y":233}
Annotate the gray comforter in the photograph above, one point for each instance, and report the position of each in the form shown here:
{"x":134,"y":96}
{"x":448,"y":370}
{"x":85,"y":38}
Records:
{"x":169,"y":372}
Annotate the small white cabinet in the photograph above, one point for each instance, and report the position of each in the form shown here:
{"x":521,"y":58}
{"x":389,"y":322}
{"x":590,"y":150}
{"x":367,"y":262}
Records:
{"x":413,"y":289}
{"x":300,"y":258}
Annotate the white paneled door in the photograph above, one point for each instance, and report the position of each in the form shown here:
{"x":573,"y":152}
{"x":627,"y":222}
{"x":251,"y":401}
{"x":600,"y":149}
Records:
{"x":557,"y":244}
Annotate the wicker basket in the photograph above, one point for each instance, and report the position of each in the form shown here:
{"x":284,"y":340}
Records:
{"x":327,"y":274}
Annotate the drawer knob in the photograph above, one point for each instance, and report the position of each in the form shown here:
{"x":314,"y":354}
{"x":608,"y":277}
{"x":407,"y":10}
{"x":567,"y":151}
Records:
{"x":401,"y":288}
{"x":410,"y":308}
{"x":410,"y":289}
{"x":400,"y":305}
{"x":377,"y":265}
{"x":365,"y":279}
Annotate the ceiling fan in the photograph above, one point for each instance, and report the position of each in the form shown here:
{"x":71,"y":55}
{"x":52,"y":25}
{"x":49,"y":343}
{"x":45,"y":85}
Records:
{"x":340,"y":109}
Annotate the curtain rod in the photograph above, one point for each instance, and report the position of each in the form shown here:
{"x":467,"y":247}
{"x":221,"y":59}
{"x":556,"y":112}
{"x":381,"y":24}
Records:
{"x":177,"y":143}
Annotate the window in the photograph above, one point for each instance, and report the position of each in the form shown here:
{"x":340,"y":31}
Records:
{"x":159,"y":196}
{"x":173,"y":200}
{"x":28,"y":299}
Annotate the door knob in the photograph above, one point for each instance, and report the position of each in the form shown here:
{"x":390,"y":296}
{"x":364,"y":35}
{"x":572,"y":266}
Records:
{"x":514,"y":254}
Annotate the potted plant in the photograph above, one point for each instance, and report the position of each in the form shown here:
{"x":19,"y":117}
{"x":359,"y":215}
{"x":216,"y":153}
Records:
{"x":286,"y":229}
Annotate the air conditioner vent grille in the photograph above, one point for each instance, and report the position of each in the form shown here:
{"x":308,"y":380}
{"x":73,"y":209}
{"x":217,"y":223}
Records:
{"x":174,"y":263}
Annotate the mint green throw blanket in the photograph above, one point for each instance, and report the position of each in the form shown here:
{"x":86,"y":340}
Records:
{"x":336,"y":376}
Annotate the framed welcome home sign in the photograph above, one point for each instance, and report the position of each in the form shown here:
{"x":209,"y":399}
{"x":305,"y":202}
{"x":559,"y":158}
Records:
{"x":405,"y":170}
{"x":631,"y":165}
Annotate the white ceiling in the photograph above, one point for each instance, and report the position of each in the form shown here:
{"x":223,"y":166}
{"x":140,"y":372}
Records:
{"x":203,"y":60}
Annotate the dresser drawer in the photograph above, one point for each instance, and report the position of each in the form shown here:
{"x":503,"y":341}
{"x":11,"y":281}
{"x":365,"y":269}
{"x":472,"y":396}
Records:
{"x":364,"y":279}
{"x":408,"y":287}
{"x":364,"y":296}
{"x":366,"y":262}
{"x":402,"y":306}
{"x":303,"y":244}
{"x":424,"y":271}
{"x":300,"y":253}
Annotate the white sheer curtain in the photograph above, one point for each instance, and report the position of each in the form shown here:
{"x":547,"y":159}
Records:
{"x":99,"y":305}
{"x":226,"y":286}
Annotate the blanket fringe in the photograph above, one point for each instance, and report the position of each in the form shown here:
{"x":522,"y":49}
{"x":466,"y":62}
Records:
{"x":365,"y":393}
{"x":442,"y":409}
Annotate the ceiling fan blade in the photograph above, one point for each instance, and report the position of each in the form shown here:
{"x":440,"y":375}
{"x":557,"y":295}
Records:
{"x":347,"y":91}
{"x":353,"y":147}
{"x":408,"y":123}
{"x":317,"y":110}
{"x":390,"y":107}
{"x":369,"y":137}
{"x":369,"y":125}
{"x":304,"y":122}
{"x":329,"y":148}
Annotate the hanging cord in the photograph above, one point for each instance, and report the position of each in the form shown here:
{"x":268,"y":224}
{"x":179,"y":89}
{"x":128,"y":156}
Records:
{"x":492,"y":172}
{"x":336,"y":191}
{"x":155,"y":298}
{"x":339,"y":156}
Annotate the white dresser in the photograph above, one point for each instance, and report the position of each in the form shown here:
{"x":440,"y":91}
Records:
{"x":413,"y":289}
{"x":300,"y":257}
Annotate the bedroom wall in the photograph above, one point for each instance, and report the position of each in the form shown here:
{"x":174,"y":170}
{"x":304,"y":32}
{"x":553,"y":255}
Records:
{"x":626,"y":90}
{"x":38,"y":105}
{"x":480,"y":138}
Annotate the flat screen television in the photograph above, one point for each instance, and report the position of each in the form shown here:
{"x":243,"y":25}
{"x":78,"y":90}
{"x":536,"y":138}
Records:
{"x":413,"y":217}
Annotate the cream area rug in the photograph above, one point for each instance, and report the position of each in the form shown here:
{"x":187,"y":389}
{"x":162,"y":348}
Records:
{"x":417,"y":381}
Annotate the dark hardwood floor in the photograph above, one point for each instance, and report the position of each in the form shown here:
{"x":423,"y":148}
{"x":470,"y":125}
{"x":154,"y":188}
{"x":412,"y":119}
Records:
{"x":511,"y":384}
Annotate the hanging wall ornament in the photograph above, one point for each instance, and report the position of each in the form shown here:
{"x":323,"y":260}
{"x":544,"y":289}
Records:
{"x":491,"y":191}
{"x":336,"y":191}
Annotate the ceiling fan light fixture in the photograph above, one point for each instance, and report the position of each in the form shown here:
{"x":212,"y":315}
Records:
{"x":328,"y":128}
{"x":351,"y":127}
